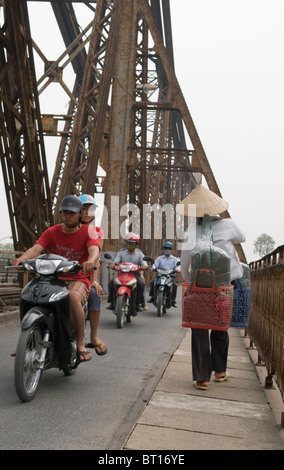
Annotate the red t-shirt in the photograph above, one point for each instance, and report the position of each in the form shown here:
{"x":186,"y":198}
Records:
{"x":73,"y":246}
{"x":95,"y":232}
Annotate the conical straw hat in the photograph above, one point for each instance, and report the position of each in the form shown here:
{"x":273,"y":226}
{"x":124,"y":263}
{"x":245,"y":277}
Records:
{"x":206,"y":202}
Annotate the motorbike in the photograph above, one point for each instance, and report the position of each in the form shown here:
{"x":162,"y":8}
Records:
{"x":47,"y":339}
{"x":125,"y":284}
{"x":163,"y":289}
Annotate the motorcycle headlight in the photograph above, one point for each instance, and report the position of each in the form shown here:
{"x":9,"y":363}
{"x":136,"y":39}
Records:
{"x":125,"y":268}
{"x":46,"y":266}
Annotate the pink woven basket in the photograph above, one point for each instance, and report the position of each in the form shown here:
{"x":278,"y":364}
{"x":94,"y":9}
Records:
{"x":207,"y":308}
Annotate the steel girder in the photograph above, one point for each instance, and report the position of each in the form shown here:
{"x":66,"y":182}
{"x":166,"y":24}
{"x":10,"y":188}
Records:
{"x":21,"y":147}
{"x":126,"y":115}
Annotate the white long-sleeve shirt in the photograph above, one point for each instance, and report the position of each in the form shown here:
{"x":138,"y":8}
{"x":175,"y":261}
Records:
{"x":226,"y":234}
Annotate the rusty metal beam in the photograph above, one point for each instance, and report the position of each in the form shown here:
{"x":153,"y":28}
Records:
{"x":114,"y":120}
{"x":83,"y":156}
{"x":200,"y":158}
{"x":67,"y":22}
{"x":22,"y":151}
{"x":155,"y":175}
{"x":121,"y":111}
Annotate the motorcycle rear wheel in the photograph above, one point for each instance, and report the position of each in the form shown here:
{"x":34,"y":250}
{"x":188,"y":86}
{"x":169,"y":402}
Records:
{"x":122,"y":304}
{"x":26,"y":373}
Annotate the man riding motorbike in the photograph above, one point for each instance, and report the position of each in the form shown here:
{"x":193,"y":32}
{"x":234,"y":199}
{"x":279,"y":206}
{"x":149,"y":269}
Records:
{"x":129,"y":254}
{"x":73,"y":241}
{"x":166,"y":261}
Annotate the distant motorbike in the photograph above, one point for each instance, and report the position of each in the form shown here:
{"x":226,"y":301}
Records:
{"x":125,"y":284}
{"x":163,"y":289}
{"x":47,"y":339}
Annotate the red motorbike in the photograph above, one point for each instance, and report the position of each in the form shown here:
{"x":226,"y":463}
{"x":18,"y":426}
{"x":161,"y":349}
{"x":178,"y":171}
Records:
{"x":125,"y":284}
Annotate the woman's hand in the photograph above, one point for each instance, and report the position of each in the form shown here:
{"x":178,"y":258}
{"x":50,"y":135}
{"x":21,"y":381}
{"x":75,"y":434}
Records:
{"x":98,"y":287}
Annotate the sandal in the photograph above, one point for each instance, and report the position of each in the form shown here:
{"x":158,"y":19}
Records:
{"x":223,"y":378}
{"x":84,"y":354}
{"x":200,"y":385}
{"x":96,"y":347}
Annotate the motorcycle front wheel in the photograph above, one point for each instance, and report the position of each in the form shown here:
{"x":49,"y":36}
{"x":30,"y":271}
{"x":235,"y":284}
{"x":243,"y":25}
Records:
{"x":70,"y":369}
{"x":26,"y":372}
{"x":122,"y":303}
{"x":160,"y":300}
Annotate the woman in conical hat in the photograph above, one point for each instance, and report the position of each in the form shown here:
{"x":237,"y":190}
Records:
{"x":204,"y":201}
{"x":206,"y":206}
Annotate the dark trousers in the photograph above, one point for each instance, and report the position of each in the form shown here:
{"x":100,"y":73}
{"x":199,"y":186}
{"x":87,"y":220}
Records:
{"x":206,"y":359}
{"x":139,"y":291}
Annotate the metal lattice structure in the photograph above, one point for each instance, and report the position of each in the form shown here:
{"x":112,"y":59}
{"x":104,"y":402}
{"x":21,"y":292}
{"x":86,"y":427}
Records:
{"x":127,"y":117}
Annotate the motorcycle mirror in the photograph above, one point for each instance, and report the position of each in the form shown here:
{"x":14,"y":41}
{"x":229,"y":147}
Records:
{"x":148,"y":258}
{"x":107,"y":256}
{"x":178,"y":263}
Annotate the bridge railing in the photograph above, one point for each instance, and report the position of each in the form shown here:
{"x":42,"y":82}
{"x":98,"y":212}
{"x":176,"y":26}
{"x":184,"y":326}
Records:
{"x":10,"y":282}
{"x":266,"y":323}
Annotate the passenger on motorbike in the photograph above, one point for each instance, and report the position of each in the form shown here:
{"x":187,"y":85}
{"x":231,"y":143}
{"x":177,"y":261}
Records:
{"x":129,"y":254}
{"x":166,"y":261}
{"x":73,"y":241}
{"x":94,"y":301}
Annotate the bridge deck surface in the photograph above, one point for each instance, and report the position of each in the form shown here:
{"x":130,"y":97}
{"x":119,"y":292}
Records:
{"x":239,"y":414}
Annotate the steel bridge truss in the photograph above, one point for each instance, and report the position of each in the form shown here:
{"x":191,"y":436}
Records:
{"x":127,"y":132}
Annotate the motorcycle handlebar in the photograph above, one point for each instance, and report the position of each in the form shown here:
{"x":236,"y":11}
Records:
{"x":20,"y":266}
{"x":80,"y":266}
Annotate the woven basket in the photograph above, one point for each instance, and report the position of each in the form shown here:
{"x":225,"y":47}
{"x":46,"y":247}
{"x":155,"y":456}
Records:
{"x":241,"y":306}
{"x":207,"y":308}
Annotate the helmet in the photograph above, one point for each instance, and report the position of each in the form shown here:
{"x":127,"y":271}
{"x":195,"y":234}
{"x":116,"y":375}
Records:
{"x":88,"y":199}
{"x":132,"y":237}
{"x":168,"y":245}
{"x":71,"y":203}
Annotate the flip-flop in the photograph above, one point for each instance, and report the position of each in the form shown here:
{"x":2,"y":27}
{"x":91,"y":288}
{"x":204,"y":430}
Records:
{"x":222,"y":379}
{"x":84,"y":354}
{"x":95,"y":346}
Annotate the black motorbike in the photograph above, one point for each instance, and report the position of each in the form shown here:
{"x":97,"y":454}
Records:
{"x":163,"y":284}
{"x":47,"y":339}
{"x":163,"y":290}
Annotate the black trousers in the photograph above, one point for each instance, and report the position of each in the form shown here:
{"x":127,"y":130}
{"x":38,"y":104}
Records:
{"x":209,"y":353}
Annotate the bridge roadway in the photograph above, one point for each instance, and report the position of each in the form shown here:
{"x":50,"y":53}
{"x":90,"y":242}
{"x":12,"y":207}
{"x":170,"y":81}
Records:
{"x":239,"y":414}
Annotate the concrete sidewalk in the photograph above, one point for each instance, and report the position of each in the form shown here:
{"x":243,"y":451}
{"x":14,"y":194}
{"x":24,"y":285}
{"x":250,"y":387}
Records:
{"x":235,"y":415}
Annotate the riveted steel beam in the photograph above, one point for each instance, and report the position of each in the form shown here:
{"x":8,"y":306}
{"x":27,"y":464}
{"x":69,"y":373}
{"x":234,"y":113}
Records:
{"x":22,"y":151}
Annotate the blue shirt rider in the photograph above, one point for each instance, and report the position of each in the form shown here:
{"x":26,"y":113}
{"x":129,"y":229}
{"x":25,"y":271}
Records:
{"x":166,"y":261}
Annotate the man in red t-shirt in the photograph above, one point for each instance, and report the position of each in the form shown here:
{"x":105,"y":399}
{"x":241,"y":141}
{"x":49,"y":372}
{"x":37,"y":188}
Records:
{"x":73,"y":241}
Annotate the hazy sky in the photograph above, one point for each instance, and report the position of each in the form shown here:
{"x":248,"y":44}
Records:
{"x":229,"y":63}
